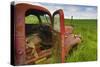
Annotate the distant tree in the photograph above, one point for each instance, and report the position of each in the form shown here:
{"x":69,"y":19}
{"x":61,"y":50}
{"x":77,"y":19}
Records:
{"x":71,"y":19}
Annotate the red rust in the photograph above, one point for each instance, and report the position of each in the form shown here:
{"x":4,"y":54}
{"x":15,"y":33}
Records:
{"x":20,"y":10}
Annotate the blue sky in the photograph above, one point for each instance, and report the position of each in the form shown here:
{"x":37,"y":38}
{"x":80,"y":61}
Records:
{"x":77,"y":11}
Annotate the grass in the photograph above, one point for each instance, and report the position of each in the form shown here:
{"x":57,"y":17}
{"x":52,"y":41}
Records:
{"x":87,"y":50}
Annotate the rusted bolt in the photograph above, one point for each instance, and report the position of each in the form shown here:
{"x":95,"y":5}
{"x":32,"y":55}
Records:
{"x":19,"y":52}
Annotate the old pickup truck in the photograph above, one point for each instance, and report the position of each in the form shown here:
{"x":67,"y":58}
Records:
{"x":45,"y":36}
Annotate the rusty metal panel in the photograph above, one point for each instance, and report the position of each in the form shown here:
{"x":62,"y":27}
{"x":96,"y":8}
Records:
{"x":19,"y":30}
{"x":19,"y":36}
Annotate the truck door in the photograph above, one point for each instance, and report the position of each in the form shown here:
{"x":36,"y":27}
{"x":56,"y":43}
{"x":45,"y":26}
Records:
{"x":58,"y":35}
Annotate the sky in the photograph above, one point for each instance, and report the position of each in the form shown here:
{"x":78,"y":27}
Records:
{"x":77,"y":11}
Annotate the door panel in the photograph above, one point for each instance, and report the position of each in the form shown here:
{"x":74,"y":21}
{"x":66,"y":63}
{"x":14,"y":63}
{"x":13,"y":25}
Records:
{"x":58,"y":35}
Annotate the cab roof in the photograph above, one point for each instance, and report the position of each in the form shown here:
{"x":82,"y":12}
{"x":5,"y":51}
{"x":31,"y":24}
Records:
{"x":27,"y":6}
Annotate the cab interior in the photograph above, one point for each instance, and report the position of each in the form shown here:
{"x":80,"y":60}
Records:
{"x":37,"y":24}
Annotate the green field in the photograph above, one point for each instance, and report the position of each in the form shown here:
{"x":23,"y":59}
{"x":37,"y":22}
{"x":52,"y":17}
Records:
{"x":87,"y":50}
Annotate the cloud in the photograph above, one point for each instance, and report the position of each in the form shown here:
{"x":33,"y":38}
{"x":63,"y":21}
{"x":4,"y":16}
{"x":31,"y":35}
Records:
{"x":89,"y":9}
{"x":77,"y":11}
